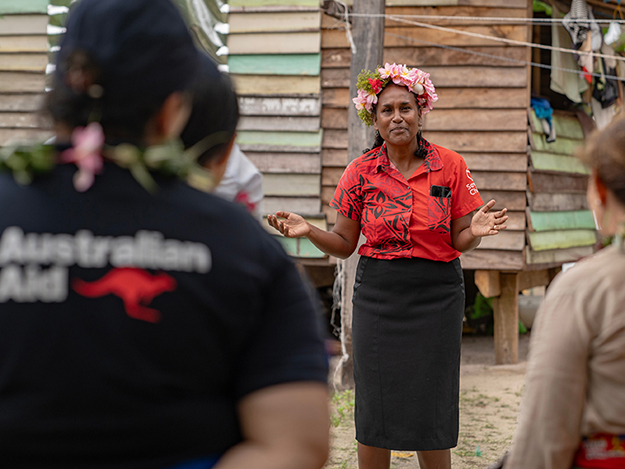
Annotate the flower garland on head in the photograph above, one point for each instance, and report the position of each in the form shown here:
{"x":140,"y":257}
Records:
{"x":370,"y":84}
{"x":88,"y":153}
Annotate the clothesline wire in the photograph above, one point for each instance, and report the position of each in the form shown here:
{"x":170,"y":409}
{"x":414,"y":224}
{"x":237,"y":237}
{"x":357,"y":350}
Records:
{"x":490,"y":19}
{"x":507,"y":59}
{"x":513,"y":42}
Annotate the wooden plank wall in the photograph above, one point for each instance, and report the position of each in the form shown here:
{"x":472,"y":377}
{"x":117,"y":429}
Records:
{"x":275,"y":61}
{"x":560,"y":226}
{"x":23,"y":61}
{"x":481,"y":113}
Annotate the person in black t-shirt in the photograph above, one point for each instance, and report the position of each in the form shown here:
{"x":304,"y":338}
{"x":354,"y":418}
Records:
{"x":145,"y":323}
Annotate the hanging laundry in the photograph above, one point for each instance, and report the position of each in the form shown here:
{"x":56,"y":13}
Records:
{"x":544,"y":111}
{"x":569,"y":84}
{"x":579,"y":21}
{"x":606,"y":90}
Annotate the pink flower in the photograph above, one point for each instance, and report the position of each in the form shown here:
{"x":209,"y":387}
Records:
{"x":388,"y":71}
{"x":85,"y":154}
{"x":376,"y":85}
{"x":365,"y":101}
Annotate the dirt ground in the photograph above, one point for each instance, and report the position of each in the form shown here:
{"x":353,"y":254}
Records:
{"x":489,"y":400}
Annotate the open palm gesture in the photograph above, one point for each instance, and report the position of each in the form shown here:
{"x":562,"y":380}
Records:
{"x":487,"y":223}
{"x":292,"y":225}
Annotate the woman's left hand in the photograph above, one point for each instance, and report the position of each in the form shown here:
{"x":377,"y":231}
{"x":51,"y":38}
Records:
{"x":486,"y":223}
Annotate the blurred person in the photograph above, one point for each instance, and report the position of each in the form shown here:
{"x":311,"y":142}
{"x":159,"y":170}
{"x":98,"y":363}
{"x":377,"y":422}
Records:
{"x":241,"y":181}
{"x":145,"y":323}
{"x":573,"y":409}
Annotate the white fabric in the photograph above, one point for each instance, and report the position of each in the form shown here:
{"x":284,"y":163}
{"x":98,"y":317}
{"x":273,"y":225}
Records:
{"x":242,"y":182}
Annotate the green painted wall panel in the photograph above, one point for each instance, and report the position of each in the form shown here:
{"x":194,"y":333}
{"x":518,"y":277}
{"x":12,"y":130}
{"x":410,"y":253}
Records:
{"x":308,"y":250}
{"x":8,"y":7}
{"x":563,"y":146}
{"x":296,"y":139}
{"x":542,"y":241}
{"x":288,"y":244}
{"x":550,"y":221}
{"x":276,"y":64}
{"x":568,"y":127}
{"x":561,"y":163}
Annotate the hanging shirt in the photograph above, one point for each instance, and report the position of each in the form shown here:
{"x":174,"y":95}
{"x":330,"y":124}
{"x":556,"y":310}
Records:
{"x":407,"y":218}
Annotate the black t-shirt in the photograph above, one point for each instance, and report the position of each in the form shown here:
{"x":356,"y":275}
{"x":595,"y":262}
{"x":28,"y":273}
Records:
{"x":131,"y":323}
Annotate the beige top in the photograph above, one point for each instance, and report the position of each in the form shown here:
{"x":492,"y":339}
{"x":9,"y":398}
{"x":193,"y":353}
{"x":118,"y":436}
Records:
{"x":575,"y":382}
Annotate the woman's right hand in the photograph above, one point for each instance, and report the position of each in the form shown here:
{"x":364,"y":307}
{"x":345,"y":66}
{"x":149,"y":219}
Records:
{"x":292,"y":225}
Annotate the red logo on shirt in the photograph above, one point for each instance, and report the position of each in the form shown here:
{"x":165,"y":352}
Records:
{"x":136,"y":287}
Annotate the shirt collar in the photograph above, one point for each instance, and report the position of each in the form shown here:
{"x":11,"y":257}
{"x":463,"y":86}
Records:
{"x":432,"y":160}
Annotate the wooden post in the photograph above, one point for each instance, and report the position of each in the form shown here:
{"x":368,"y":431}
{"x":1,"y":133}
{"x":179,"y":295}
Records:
{"x":368,"y":34}
{"x":506,"y":315}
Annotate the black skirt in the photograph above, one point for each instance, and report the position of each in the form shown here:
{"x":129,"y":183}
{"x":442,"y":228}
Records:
{"x":407,"y":330}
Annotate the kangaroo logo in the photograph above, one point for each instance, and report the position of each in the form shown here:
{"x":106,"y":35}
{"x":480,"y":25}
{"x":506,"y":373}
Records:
{"x":136,"y":287}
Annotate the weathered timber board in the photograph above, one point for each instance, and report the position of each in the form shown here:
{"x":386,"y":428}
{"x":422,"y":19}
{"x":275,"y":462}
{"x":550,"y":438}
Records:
{"x":412,"y":36}
{"x":483,"y":259}
{"x":451,"y":76}
{"x":334,"y":157}
{"x":17,"y":82}
{"x":514,"y":142}
{"x":307,"y":142}
{"x":21,"y":102}
{"x":516,"y":221}
{"x":421,"y":2}
{"x":547,"y":240}
{"x":24,"y":6}
{"x":494,"y":3}
{"x":278,"y":123}
{"x":516,"y":162}
{"x":24,"y":44}
{"x":466,"y":11}
{"x":299,"y":163}
{"x":276,"y":85}
{"x":261,"y":3}
{"x":335,"y":97}
{"x":473,"y":119}
{"x":21,"y":120}
{"x":332,"y":118}
{"x":556,"y":183}
{"x":424,"y":57}
{"x":335,"y":139}
{"x":552,"y":162}
{"x":274,"y":21}
{"x":505,"y":199}
{"x":273,"y":9}
{"x":559,"y":256}
{"x":275,"y":64}
{"x":544,"y":202}
{"x":275,"y":106}
{"x":20,"y":136}
{"x":499,"y":181}
{"x":23,"y":62}
{"x":566,"y":126}
{"x":291,"y":184}
{"x":570,"y":220}
{"x":331,"y":176}
{"x":330,"y":214}
{"x":481,"y":98}
{"x":274,"y":43}
{"x":23,"y":25}
{"x":299,"y":205}
{"x":562,"y":145}
{"x":504,"y":241}
{"x":461,"y":142}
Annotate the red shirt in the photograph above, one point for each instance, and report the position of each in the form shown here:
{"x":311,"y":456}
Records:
{"x":409,"y":218}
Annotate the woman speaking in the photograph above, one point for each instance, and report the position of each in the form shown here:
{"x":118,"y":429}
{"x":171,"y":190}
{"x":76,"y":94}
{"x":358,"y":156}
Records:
{"x":414,"y":202}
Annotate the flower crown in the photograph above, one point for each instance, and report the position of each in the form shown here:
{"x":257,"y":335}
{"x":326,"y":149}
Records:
{"x":370,"y":84}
